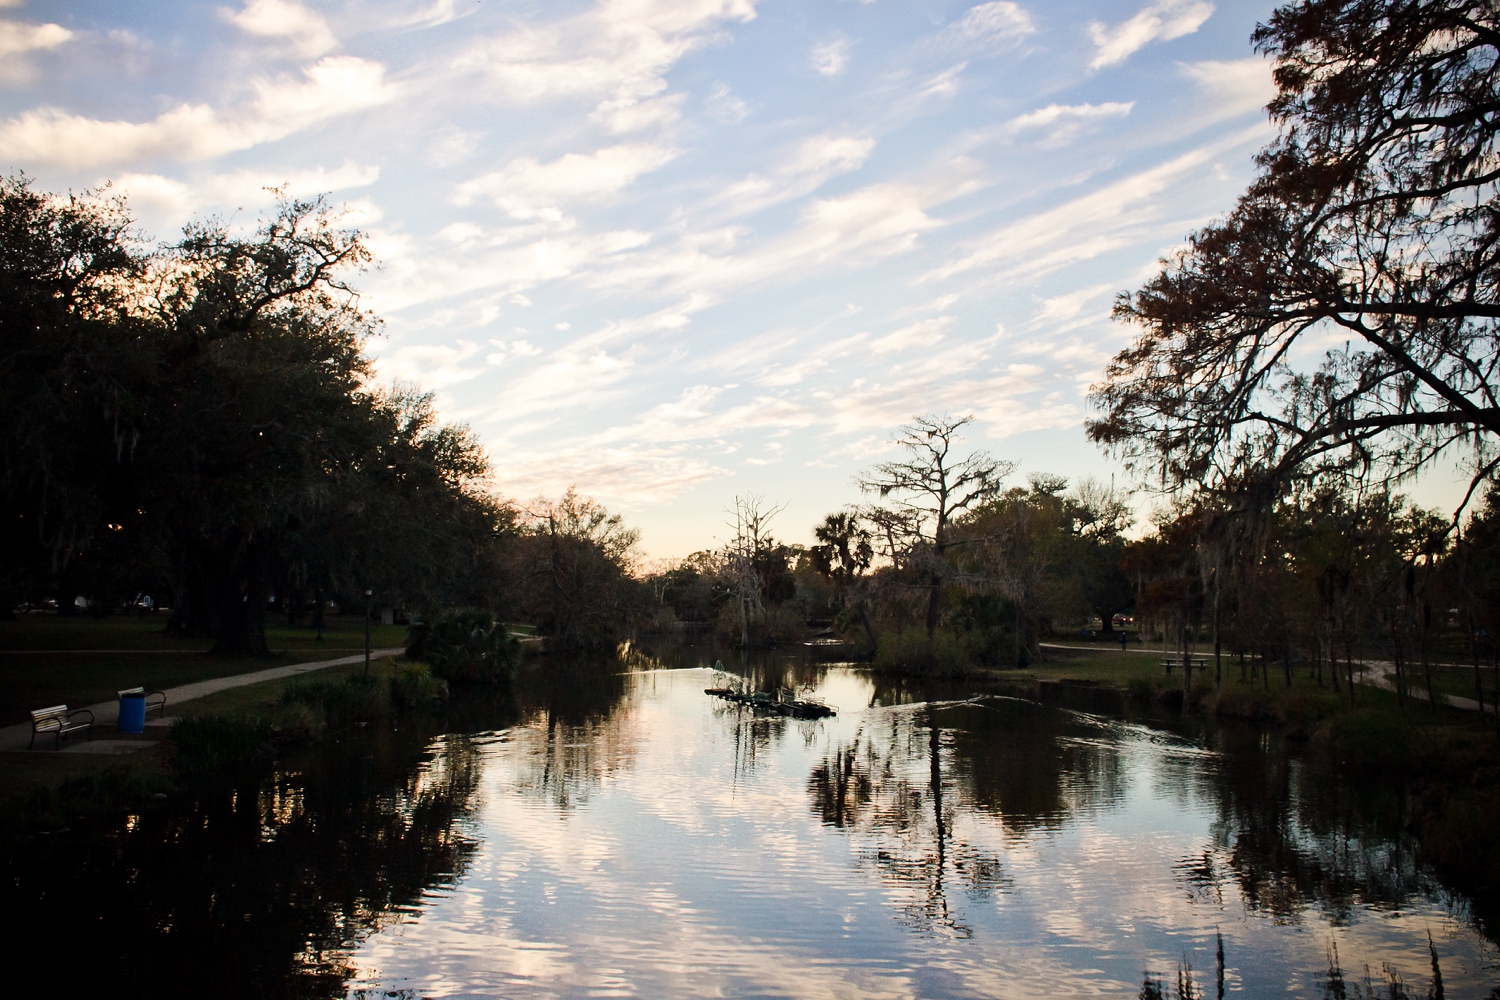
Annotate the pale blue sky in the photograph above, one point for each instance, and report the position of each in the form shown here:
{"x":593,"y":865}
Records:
{"x":675,"y":250}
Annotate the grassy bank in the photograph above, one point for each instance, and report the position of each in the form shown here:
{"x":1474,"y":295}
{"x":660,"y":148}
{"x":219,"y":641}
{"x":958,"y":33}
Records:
{"x":216,"y":738}
{"x":1448,"y":760}
{"x":53,"y":659}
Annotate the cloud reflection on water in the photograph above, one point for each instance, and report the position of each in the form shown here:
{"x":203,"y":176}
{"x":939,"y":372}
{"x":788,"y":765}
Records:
{"x":663,"y":845}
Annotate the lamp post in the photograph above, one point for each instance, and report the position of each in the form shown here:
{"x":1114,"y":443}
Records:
{"x":369,"y":593}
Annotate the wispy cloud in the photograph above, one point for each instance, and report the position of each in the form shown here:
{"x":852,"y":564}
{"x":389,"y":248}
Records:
{"x":873,"y":222}
{"x":724,"y":107}
{"x":1237,"y":87}
{"x":924,"y":334}
{"x":655,"y":456}
{"x":467,"y":257}
{"x":1092,"y":224}
{"x":434,"y":365}
{"x":174,"y":201}
{"x":995,"y":25}
{"x":528,"y":189}
{"x":18,"y":40}
{"x":301,"y":30}
{"x":628,"y":474}
{"x":1160,"y":22}
{"x":804,"y":168}
{"x":1009,"y":396}
{"x":332,"y":87}
{"x":1062,"y":123}
{"x":829,"y":58}
{"x":619,"y":49}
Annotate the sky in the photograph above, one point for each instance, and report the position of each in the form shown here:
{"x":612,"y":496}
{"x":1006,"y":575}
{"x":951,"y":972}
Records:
{"x":678,"y":251}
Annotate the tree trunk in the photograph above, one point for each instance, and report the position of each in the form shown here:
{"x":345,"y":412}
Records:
{"x":1349,"y":663}
{"x":1165,"y":658}
{"x":1187,"y":664}
{"x":319,"y":618}
{"x":239,"y":594}
{"x":934,"y":595}
{"x":1218,"y":649}
{"x":193,"y":609}
{"x":1398,"y":659}
{"x":1319,"y":664}
{"x":1426,"y":659}
{"x":1474,"y":651}
{"x":864,"y":619}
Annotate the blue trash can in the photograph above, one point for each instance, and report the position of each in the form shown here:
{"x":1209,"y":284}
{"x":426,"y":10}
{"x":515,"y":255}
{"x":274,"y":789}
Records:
{"x":132,"y":711}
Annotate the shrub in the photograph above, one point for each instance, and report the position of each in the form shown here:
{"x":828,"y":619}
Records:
{"x":210,"y":745}
{"x":912,"y":650}
{"x":1302,"y":711}
{"x":1372,"y":739}
{"x":414,"y":687}
{"x":298,"y":721}
{"x":354,"y":698}
{"x":1141,"y":690}
{"x":466,"y":645}
{"x":1245,"y":701}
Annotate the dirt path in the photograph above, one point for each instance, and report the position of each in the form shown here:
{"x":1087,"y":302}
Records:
{"x":106,"y":713}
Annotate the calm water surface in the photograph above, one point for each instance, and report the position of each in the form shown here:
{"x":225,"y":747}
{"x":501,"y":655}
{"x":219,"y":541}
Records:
{"x":624,"y":835}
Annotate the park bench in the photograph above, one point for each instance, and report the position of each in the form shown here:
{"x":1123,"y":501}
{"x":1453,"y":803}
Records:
{"x":61,"y":722}
{"x":1196,"y":662}
{"x":139,"y":692}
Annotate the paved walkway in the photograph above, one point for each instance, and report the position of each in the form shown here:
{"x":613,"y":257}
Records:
{"x":108,"y":712}
{"x":1416,"y":688}
{"x":1113,"y":647}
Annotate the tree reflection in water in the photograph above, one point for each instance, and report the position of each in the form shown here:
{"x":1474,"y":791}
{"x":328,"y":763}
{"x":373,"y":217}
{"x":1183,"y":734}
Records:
{"x":1287,"y":836}
{"x":891,"y":784}
{"x":572,"y":701}
{"x":258,"y":890}
{"x":1293,"y":836}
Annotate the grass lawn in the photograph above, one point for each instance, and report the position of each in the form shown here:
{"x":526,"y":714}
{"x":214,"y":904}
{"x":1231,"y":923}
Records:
{"x":44,"y":658}
{"x":258,"y":700}
{"x":1110,"y":666}
{"x":1107,"y":665}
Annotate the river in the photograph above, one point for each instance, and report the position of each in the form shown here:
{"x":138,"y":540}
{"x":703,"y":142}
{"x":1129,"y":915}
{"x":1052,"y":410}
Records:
{"x":613,"y":831}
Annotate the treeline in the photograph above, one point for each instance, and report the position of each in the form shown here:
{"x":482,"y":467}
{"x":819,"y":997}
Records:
{"x":197,"y":421}
{"x":951,"y":568}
